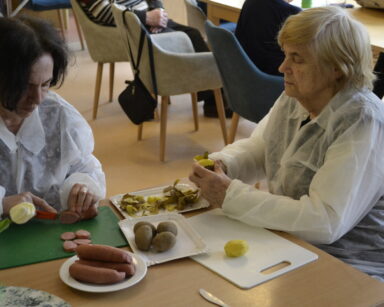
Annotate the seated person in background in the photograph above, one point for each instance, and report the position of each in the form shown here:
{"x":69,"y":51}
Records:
{"x":45,"y":144}
{"x":155,"y":18}
{"x":320,"y":148}
{"x":257,"y":28}
{"x":150,"y":12}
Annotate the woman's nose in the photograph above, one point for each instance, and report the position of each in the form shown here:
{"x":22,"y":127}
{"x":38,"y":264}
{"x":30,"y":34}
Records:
{"x":36,"y":94}
{"x":283,"y":66}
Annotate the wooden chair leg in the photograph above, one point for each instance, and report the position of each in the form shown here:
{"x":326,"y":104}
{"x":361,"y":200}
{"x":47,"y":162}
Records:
{"x":78,"y":30}
{"x":99,"y":76}
{"x":233,"y":128}
{"x":221,"y":113}
{"x":163,"y":125}
{"x":156,"y":115}
{"x":61,"y":22}
{"x":111,"y":80}
{"x":140,"y":132}
{"x":194,"y":110}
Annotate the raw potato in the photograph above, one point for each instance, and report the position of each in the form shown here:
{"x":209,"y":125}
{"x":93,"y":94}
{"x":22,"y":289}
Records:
{"x":143,"y":237}
{"x":164,"y":241}
{"x":137,"y":225}
{"x":167,"y":226}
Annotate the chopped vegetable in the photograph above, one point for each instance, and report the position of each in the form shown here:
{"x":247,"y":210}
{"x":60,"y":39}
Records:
{"x":173,"y":198}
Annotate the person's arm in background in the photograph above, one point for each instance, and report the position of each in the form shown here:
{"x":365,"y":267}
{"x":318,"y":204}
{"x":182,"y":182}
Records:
{"x":153,"y":17}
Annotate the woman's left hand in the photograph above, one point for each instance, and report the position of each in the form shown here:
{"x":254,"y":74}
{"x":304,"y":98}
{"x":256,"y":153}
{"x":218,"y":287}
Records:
{"x":80,"y":198}
{"x":213,"y":185}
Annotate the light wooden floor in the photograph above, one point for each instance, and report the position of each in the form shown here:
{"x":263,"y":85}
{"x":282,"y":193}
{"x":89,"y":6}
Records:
{"x":130,"y":164}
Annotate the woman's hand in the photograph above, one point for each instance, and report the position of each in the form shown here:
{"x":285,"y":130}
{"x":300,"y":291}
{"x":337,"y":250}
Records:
{"x":13,"y":200}
{"x":80,"y":199}
{"x":156,"y":18}
{"x":213,"y":185}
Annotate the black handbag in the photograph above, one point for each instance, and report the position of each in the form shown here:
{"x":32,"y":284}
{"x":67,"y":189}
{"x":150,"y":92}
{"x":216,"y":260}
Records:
{"x":136,"y":101}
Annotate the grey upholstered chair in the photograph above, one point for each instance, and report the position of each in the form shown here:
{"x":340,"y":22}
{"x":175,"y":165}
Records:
{"x":104,"y":46}
{"x":179,"y":69}
{"x":195,"y":16}
{"x":250,"y":92}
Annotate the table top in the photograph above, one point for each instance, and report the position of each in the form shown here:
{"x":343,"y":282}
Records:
{"x":324,"y":282}
{"x":372,"y":19}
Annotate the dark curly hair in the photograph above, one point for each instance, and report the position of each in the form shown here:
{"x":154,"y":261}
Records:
{"x":22,"y":41}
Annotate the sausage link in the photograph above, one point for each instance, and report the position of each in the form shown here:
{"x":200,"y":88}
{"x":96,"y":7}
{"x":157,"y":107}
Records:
{"x":127,"y":268}
{"x":103,"y":253}
{"x":86,"y":273}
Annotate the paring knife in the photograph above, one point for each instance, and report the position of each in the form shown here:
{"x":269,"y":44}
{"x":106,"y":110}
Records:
{"x":211,"y":298}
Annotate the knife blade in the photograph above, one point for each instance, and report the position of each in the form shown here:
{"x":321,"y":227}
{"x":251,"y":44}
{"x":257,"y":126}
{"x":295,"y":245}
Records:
{"x":211,"y":298}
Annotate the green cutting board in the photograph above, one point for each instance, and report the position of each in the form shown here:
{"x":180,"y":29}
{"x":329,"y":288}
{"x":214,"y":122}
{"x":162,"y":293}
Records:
{"x":39,"y":240}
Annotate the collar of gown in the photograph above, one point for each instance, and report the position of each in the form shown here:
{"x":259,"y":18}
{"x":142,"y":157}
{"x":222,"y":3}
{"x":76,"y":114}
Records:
{"x":31,"y":134}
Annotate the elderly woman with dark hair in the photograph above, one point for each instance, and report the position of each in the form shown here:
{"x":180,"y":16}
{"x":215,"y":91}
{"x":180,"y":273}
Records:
{"x":45,"y":144}
{"x":320,"y":148}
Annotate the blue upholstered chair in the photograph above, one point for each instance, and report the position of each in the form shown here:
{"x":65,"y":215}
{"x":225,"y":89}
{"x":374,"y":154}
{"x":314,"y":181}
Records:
{"x":45,"y":5}
{"x":250,"y":92}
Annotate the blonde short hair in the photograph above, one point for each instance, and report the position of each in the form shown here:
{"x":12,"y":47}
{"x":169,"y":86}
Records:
{"x":336,"y":39}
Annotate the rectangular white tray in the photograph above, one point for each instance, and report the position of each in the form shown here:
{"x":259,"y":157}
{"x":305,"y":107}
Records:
{"x":157,"y":191}
{"x":188,"y":241}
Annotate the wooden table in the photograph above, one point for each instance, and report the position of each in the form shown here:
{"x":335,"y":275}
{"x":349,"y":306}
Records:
{"x":324,"y":282}
{"x":372,"y":19}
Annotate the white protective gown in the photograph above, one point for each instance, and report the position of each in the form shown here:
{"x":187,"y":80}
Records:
{"x":51,"y":152}
{"x":323,"y":178}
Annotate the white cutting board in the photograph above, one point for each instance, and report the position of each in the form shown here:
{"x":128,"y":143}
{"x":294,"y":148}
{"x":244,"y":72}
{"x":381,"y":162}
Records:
{"x":266,"y":250}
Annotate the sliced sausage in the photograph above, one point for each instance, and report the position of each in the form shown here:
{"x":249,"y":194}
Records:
{"x":69,"y":217}
{"x":103,"y":253}
{"x":82,"y":241}
{"x":69,"y":246}
{"x":95,"y":275}
{"x":82,"y":234}
{"x":127,"y":268}
{"x":69,"y":235}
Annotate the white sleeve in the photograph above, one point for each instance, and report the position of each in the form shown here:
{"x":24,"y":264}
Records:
{"x":78,"y":144}
{"x":244,"y":159}
{"x":341,"y":193}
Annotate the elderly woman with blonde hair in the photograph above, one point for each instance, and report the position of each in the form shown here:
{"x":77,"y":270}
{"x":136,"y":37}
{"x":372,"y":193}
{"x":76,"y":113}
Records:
{"x":320,"y":148}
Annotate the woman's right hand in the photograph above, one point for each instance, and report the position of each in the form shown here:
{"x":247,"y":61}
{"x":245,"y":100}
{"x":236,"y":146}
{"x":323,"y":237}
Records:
{"x":13,"y":200}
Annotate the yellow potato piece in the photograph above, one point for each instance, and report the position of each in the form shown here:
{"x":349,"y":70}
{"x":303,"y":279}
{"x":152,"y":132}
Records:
{"x":22,"y":213}
{"x":236,"y":248}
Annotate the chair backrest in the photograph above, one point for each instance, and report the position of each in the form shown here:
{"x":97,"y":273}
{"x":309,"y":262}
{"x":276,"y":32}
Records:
{"x":45,"y":5}
{"x":104,"y":42}
{"x":250,"y":92}
{"x":195,"y":16}
{"x":132,"y":33}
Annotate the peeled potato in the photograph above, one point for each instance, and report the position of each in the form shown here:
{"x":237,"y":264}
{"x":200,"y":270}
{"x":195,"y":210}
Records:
{"x":22,"y":213}
{"x":236,"y":248}
{"x":207,"y":163}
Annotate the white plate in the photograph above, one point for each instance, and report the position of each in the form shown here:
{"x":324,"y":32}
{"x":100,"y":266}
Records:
{"x":158,"y":191}
{"x":188,"y":241}
{"x":141,"y":270}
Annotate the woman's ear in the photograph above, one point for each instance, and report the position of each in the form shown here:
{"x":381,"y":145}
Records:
{"x":338,"y":73}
